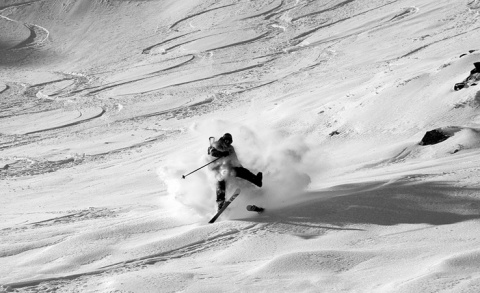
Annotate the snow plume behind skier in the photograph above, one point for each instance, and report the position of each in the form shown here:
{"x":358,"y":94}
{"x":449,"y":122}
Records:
{"x":286,"y":162}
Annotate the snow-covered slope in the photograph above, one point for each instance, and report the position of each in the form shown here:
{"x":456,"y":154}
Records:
{"x":105,"y":104}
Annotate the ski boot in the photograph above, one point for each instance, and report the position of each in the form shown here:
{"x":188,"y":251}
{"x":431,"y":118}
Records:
{"x":254,"y":208}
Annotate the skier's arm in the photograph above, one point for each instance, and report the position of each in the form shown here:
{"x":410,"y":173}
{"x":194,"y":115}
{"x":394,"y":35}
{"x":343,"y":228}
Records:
{"x":216,"y":153}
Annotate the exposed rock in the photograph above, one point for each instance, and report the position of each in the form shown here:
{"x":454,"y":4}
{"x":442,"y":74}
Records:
{"x":334,"y":133}
{"x":433,"y":137}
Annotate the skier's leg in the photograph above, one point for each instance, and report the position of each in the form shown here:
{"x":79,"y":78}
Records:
{"x":221,"y":186}
{"x":249,"y":176}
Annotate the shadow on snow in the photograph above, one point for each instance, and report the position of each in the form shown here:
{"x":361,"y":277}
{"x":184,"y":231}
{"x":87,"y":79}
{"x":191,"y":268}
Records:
{"x":381,"y":203}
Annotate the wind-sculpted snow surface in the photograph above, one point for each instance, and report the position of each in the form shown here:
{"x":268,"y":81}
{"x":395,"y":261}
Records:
{"x":105,"y":105}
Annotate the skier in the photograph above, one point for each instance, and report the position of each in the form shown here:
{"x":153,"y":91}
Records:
{"x":229,"y":166}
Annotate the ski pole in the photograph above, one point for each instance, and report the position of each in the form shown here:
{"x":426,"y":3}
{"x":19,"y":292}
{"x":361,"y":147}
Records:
{"x":183,"y":176}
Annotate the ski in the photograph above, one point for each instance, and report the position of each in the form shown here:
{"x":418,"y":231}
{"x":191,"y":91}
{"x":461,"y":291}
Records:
{"x":254,"y":208}
{"x":225,"y":205}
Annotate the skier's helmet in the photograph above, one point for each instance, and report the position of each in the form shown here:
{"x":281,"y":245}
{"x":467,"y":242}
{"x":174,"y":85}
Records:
{"x":227,"y":137}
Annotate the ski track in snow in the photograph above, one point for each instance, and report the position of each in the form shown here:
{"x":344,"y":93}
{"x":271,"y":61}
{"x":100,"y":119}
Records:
{"x":337,"y":6}
{"x":69,"y":124}
{"x":38,"y":35}
{"x":474,"y":5}
{"x":171,"y":45}
{"x":198,"y":14}
{"x":267,"y":12}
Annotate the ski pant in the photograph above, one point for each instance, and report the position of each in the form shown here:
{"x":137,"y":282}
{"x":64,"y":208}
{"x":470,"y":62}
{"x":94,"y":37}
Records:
{"x":239,"y":172}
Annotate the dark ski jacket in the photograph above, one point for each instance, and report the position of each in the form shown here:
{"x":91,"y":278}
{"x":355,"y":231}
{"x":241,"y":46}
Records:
{"x":219,"y":149}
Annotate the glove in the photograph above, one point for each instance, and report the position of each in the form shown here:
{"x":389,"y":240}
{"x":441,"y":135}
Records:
{"x":225,"y":154}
